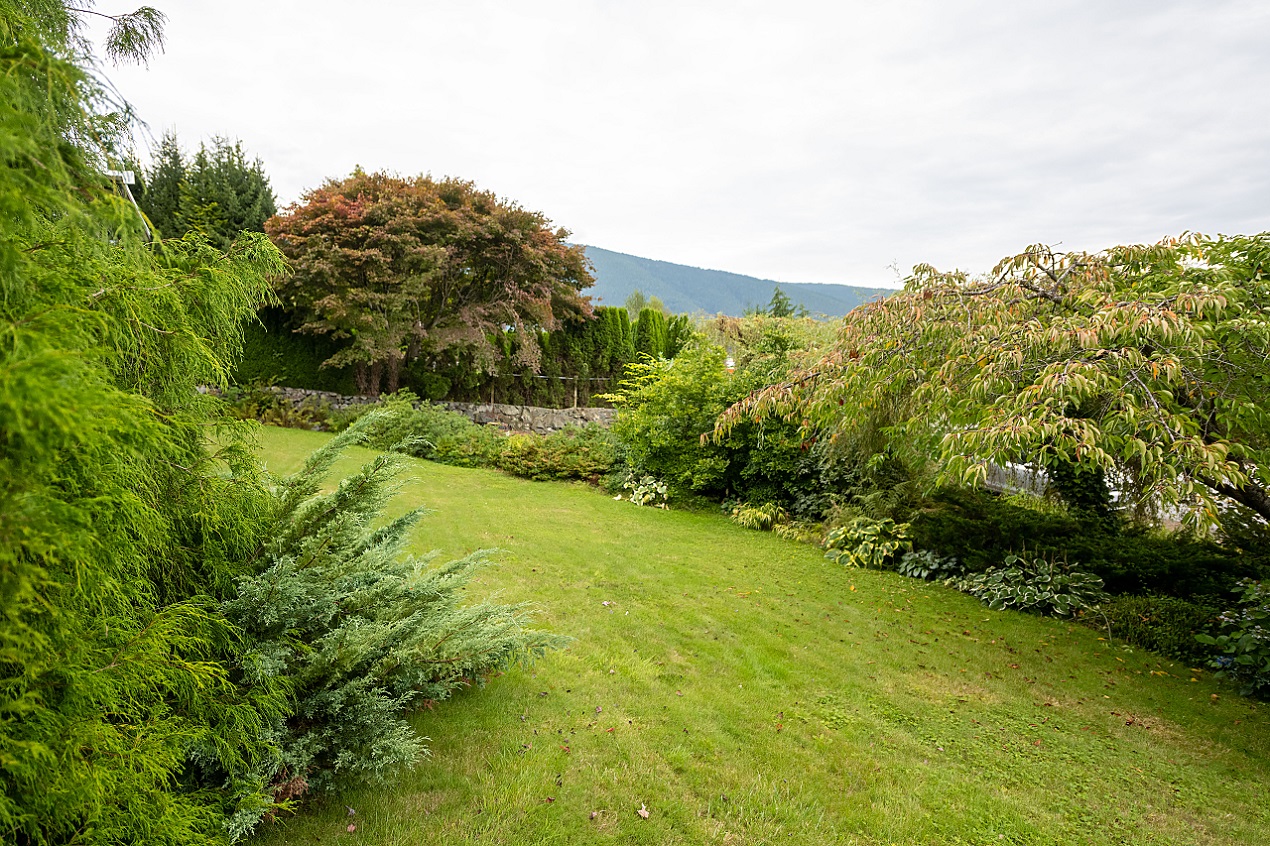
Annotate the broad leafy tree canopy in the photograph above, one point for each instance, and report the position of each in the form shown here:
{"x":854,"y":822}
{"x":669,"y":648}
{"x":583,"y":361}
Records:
{"x":1150,"y":363}
{"x":401,"y":267}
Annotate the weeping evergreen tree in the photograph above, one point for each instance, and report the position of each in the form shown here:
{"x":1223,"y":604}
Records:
{"x":117,"y":525}
{"x":142,"y":698}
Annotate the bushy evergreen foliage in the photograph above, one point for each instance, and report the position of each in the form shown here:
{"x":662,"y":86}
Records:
{"x":361,"y":632}
{"x":579,"y":360}
{"x":117,"y":526}
{"x":1164,"y":624}
{"x":273,"y":354}
{"x":216,"y":192}
{"x":142,"y":699}
{"x":584,"y":453}
{"x":981,"y":528}
{"x":661,"y":336}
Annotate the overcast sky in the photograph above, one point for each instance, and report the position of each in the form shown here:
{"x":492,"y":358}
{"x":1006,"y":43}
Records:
{"x":798,"y":141}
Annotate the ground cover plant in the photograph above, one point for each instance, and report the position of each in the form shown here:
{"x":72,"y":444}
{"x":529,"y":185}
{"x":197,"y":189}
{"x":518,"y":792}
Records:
{"x":741,"y":689}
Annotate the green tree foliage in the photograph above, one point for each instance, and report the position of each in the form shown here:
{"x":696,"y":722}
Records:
{"x":586,"y":355}
{"x":780,"y":305}
{"x":635,"y":303}
{"x":659,"y":335}
{"x":160,"y":192}
{"x":133,"y":519}
{"x":667,"y":405}
{"x":1147,"y":364}
{"x":397,"y":268}
{"x":575,"y":362}
{"x":116,"y":524}
{"x":980,"y":529}
{"x":217,"y":193}
{"x":274,"y":355}
{"x":664,"y":407}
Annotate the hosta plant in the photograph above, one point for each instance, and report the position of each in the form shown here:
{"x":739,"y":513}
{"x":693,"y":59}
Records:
{"x":925,"y":564}
{"x":1035,"y":584}
{"x":646,"y":490}
{"x":864,"y":542}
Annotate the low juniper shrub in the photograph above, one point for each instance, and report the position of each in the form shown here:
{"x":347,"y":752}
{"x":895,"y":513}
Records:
{"x":362,"y":633}
{"x":587,"y":453}
{"x":427,"y":431}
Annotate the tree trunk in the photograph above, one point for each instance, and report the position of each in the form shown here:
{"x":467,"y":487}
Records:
{"x":394,"y":373}
{"x":362,"y":375}
{"x":375,"y":375}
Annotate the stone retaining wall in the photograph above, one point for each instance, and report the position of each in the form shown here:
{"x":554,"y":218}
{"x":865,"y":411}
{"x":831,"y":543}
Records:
{"x":513,"y":418}
{"x":530,"y":418}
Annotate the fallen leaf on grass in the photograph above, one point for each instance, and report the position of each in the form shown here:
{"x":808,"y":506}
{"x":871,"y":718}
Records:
{"x":643,"y":810}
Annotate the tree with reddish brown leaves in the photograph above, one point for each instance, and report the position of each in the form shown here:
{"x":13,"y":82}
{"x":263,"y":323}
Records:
{"x":406,"y":267}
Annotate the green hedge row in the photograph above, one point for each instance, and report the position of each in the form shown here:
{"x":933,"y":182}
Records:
{"x":578,"y":362}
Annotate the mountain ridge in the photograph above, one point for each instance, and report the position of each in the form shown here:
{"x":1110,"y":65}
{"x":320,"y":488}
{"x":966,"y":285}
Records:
{"x":687,"y":290}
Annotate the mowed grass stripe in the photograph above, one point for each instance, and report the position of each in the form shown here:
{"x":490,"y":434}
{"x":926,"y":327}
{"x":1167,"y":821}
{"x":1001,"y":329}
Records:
{"x":745,"y":690}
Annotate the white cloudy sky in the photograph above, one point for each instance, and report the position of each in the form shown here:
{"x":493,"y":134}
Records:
{"x":800,"y":141}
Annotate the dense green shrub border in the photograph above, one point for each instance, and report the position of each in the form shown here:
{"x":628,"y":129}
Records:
{"x":275,"y":355}
{"x":1164,"y":624}
{"x":980,"y":528}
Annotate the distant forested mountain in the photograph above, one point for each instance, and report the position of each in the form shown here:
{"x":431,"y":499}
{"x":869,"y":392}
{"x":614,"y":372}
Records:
{"x":690,"y":289}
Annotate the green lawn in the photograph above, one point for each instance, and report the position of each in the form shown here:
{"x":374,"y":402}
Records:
{"x":745,"y":690}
